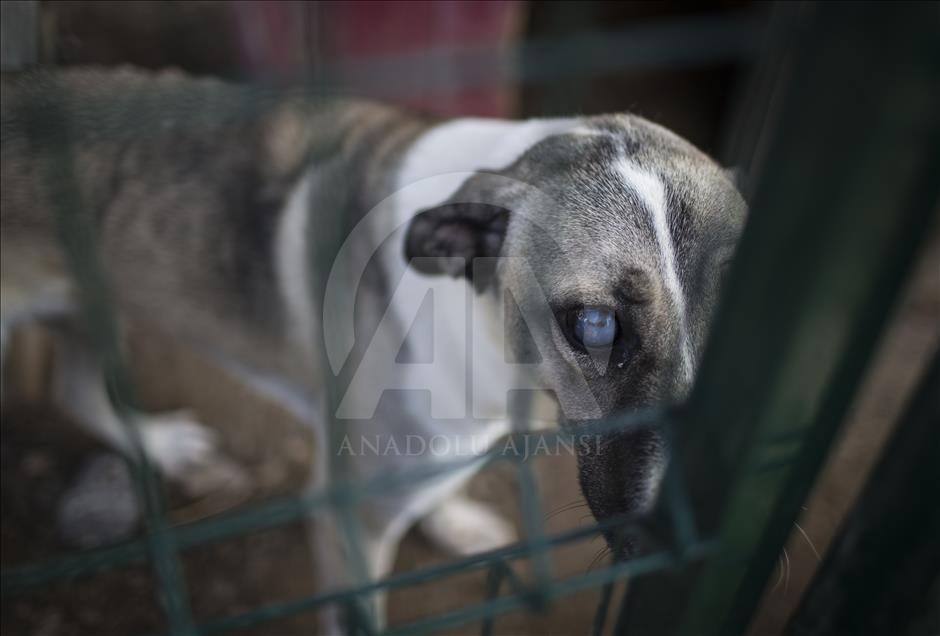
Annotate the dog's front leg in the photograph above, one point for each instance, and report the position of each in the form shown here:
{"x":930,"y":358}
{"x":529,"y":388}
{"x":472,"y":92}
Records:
{"x":379,"y":531}
{"x":183,"y":449}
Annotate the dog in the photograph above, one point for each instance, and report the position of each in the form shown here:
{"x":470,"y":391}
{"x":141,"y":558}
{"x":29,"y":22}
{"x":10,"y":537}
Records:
{"x":309,"y":242}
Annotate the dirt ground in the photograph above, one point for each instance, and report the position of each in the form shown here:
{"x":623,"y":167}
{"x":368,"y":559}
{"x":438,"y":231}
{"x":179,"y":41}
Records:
{"x":42,"y":454}
{"x":238,"y":574}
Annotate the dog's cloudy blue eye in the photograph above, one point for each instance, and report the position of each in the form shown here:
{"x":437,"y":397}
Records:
{"x":595,"y":327}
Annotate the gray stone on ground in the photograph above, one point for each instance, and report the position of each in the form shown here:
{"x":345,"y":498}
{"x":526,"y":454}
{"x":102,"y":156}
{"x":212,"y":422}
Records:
{"x":101,"y":507}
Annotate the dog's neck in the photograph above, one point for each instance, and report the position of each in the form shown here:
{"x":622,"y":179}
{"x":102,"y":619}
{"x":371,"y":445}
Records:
{"x":430,"y":171}
{"x":422,"y":174}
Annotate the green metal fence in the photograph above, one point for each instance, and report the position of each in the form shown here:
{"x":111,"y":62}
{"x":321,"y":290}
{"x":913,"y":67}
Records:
{"x":843,"y":139}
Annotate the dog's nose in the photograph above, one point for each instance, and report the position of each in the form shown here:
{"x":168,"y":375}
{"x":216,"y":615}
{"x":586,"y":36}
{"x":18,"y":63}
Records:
{"x":620,"y":476}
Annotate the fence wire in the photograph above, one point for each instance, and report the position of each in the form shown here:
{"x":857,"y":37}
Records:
{"x":693,"y":536}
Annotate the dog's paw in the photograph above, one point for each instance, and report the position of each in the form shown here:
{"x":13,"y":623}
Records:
{"x":462,"y":527}
{"x":176,"y":442}
{"x":186,"y":452}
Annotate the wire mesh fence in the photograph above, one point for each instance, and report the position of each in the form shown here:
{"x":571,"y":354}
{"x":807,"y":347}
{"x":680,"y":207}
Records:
{"x":783,"y":363}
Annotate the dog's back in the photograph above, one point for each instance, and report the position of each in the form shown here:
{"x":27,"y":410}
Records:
{"x":183,"y":182}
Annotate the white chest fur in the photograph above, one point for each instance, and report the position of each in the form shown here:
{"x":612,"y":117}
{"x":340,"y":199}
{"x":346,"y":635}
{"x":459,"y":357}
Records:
{"x":454,"y":337}
{"x":467,"y":366}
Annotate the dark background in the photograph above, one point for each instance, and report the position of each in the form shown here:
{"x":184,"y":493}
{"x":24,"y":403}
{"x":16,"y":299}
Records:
{"x":296,"y":39}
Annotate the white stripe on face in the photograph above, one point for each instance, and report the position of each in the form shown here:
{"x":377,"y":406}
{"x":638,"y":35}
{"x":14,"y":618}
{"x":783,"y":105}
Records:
{"x":651,"y":191}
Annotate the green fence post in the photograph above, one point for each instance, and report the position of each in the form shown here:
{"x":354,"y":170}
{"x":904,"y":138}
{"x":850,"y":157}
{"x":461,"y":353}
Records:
{"x":849,"y":189}
{"x":877,"y":572}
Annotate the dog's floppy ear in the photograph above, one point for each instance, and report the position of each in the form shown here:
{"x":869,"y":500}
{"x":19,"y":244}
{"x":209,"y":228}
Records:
{"x":447,"y":238}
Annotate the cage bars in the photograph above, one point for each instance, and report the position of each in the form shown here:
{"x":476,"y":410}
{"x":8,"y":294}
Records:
{"x":819,"y":265}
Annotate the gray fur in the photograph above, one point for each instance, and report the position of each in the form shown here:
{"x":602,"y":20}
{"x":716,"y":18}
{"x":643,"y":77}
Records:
{"x":590,"y":240}
{"x":187,"y":181}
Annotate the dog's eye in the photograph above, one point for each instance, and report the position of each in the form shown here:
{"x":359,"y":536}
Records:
{"x":594,"y":327}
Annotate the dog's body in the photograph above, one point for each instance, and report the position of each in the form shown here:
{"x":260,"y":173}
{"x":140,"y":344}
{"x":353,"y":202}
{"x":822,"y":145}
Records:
{"x":219,"y":225}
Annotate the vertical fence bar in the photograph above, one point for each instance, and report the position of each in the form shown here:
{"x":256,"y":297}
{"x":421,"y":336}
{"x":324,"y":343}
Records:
{"x":50,"y":135}
{"x":325,"y":240}
{"x":603,"y":607}
{"x":849,"y":189}
{"x":494,"y":580}
{"x":532,"y":517}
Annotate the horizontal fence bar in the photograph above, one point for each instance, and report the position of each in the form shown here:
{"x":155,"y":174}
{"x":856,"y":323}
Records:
{"x":286,"y":510}
{"x":661,"y":44}
{"x":668,"y":44}
{"x":634,"y":567}
{"x":614,"y":572}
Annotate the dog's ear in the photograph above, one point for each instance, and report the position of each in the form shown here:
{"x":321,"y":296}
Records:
{"x":447,"y":238}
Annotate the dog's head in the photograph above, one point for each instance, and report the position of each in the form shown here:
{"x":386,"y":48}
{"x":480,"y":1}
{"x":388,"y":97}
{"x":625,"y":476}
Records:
{"x":626,"y":232}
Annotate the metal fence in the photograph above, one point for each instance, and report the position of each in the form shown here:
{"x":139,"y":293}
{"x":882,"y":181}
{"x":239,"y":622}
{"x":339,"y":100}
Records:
{"x":845,"y":183}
